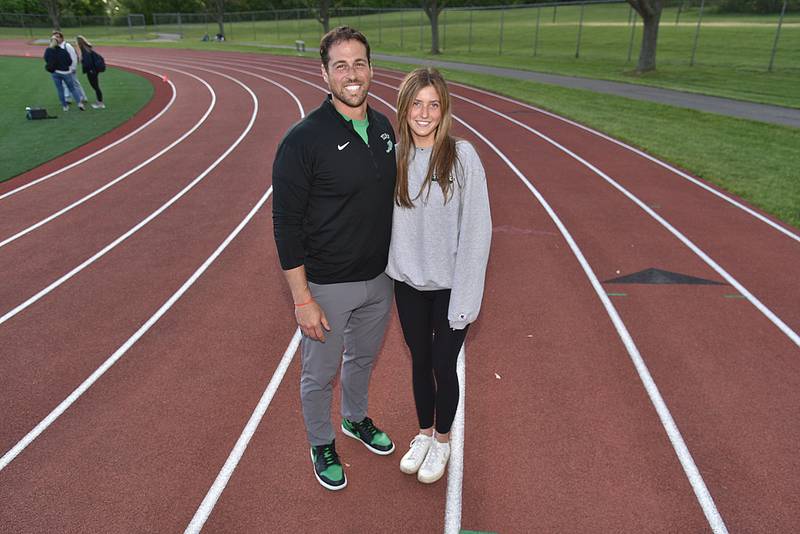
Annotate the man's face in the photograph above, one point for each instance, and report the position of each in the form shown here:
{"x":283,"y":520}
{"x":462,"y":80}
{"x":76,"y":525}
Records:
{"x":59,"y":37}
{"x":349,"y":73}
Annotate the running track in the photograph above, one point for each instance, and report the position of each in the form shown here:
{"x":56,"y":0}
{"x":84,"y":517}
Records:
{"x":148,"y":381}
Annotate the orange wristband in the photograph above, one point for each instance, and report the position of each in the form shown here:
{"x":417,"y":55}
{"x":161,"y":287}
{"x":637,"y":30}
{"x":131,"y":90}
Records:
{"x":305,"y":303}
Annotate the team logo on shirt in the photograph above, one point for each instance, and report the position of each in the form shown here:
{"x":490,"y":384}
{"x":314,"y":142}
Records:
{"x":389,"y":145}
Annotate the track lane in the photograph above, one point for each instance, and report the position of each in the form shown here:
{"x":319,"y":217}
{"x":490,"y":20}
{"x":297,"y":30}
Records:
{"x":114,"y":140}
{"x":150,"y":113}
{"x":114,"y":215}
{"x":142,"y":445}
{"x":164,"y":244}
{"x":35,"y":203}
{"x":101,"y":168}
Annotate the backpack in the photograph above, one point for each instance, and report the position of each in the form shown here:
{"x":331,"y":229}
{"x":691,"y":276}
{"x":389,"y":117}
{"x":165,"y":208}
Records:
{"x":99,"y":62}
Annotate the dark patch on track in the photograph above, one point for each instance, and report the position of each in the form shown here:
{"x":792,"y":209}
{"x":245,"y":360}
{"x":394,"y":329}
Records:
{"x":658,"y":276}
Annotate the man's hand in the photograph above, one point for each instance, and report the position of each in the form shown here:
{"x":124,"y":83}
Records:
{"x":310,"y":317}
{"x":312,"y":321}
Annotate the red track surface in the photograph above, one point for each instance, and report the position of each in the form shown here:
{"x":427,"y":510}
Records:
{"x":567,"y":439}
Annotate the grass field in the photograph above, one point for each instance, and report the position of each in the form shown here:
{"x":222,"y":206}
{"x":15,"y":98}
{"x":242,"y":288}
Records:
{"x":25,"y":144}
{"x":732,"y":57}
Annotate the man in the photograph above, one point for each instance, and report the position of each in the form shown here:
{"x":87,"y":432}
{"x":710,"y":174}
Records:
{"x":333,"y":180}
{"x":72,"y":70}
{"x":59,"y":64}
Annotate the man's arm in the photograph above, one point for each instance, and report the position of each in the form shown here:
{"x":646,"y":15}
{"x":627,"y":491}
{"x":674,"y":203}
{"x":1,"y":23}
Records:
{"x":310,"y":316}
{"x":289,"y":203}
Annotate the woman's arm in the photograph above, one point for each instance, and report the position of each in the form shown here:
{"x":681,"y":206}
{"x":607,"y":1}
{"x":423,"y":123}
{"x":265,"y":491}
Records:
{"x":474,"y":240}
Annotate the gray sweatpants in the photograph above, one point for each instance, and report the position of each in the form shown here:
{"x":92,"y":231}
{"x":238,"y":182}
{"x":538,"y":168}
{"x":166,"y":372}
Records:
{"x":357,"y":313}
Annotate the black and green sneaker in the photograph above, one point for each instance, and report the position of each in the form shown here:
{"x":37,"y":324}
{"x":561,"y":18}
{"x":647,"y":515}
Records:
{"x":327,"y":467}
{"x":367,"y":433}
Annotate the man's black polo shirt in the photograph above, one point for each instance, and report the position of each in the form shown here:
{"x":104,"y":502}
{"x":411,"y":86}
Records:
{"x":333,"y":196}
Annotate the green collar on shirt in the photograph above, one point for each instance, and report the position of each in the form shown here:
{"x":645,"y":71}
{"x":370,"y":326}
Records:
{"x":359,"y":126}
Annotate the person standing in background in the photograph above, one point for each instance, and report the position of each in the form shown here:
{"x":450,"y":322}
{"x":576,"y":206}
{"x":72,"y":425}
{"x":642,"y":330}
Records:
{"x":58,"y":63}
{"x":92,"y":66}
{"x":73,"y":68}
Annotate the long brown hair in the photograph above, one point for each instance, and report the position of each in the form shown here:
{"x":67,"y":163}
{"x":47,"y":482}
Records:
{"x":83,"y":43}
{"x":443,"y":155}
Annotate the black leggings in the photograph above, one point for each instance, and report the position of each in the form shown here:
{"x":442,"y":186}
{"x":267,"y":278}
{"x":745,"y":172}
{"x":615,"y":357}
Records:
{"x":95,"y":83}
{"x":434,"y":351}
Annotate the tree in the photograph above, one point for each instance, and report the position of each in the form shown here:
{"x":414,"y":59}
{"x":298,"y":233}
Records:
{"x":650,"y":11}
{"x":54,"y":12}
{"x":218,"y":8}
{"x":324,"y":14}
{"x":432,"y":9}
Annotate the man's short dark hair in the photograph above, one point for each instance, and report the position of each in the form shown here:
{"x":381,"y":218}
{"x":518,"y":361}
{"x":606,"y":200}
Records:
{"x":56,"y":32}
{"x":337,"y":35}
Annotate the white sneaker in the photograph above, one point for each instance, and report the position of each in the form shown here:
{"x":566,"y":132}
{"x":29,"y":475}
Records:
{"x":435,"y":463}
{"x":98,"y":105}
{"x":410,"y":463}
{"x":65,"y":108}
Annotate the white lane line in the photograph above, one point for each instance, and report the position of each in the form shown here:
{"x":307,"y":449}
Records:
{"x":187,"y":63}
{"x":635,"y":150}
{"x":126,"y":174}
{"x":455,"y":467}
{"x":204,"y":510}
{"x":769,"y":314}
{"x":9,"y":456}
{"x":8,"y":315}
{"x":105,"y":148}
{"x":679,"y":446}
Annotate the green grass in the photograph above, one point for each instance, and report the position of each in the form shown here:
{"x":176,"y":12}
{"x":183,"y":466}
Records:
{"x":25,"y":144}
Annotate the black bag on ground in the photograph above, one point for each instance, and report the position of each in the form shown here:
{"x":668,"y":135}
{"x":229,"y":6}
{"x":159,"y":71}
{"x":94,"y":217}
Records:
{"x":33,"y":114}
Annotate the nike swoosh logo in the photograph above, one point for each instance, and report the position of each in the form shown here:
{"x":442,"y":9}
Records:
{"x":341,"y":147}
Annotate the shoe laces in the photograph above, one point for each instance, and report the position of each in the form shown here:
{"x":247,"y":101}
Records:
{"x":417,"y":447}
{"x":366,"y":426}
{"x":329,"y":455}
{"x":433,"y":454}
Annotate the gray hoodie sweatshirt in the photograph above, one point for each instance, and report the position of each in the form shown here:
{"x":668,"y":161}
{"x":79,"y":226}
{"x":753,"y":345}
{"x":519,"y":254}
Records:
{"x":445,"y":246}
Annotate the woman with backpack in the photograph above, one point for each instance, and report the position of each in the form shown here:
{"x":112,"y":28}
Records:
{"x":93,"y":64}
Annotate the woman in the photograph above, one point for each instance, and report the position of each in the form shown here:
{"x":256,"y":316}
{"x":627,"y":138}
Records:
{"x":90,"y":61}
{"x":58,"y":64}
{"x":441,"y":232}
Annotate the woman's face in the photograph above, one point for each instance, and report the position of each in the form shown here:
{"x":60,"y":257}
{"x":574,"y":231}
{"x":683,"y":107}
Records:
{"x":424,"y":116}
